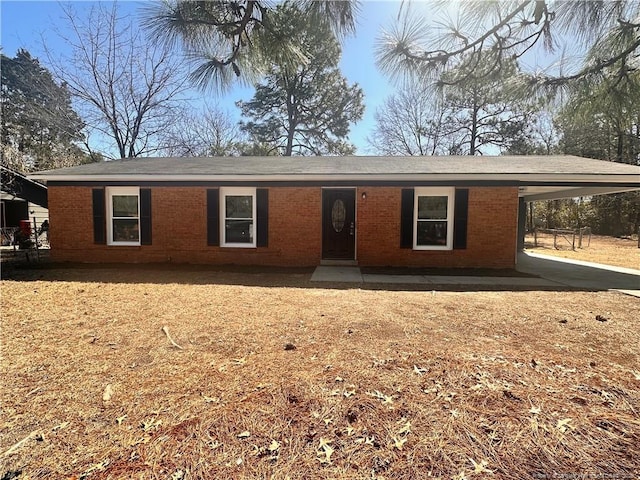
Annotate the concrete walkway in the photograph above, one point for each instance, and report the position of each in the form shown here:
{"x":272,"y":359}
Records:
{"x":578,"y":274}
{"x":354,"y":275}
{"x":549,"y":272}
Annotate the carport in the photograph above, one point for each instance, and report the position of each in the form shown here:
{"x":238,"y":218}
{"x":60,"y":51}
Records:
{"x":577,"y":182}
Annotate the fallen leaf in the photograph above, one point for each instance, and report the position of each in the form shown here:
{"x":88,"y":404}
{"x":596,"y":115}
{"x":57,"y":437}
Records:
{"x":398,"y":442}
{"x":121,"y":419}
{"x":563,"y":425}
{"x":419,"y":370}
{"x":386,"y":399}
{"x":108,"y":393}
{"x":349,"y":392}
{"x":480,"y":467}
{"x":535,"y":410}
{"x":150,"y":424}
{"x":274,"y":446}
{"x":325,"y":451}
{"x":406,"y":429}
{"x":244,"y":434}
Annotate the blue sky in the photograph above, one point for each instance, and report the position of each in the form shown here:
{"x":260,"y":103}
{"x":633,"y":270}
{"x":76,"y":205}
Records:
{"x":27,"y":24}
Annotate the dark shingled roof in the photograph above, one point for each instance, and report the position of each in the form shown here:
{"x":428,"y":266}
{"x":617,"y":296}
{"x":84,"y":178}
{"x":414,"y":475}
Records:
{"x":334,"y":167}
{"x":537,"y":177}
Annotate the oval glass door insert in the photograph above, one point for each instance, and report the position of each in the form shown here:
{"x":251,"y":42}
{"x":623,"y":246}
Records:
{"x":338,"y":215}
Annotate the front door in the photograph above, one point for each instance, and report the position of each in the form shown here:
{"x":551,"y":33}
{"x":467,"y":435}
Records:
{"x":338,"y":224}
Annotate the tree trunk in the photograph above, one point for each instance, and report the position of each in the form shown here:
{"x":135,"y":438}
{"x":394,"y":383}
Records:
{"x":620,"y":146}
{"x":291,"y":122}
{"x":474,"y":129}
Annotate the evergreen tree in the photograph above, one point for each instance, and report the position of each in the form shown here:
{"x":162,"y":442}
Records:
{"x":238,"y":39}
{"x":304,"y":108}
{"x":482,"y":109}
{"x":38,"y":121}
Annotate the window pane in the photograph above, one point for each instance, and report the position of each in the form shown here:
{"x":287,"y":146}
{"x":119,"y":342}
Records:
{"x":431,"y":233}
{"x":239,"y":206}
{"x":432,"y":208}
{"x":125,"y":230}
{"x":238,"y":231}
{"x":338,"y":215}
{"x":125,"y":205}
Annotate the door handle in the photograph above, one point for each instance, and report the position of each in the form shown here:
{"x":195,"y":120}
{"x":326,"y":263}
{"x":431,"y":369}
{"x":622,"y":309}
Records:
{"x":352,"y":229}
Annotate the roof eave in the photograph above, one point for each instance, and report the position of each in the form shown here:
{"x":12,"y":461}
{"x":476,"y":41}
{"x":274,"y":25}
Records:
{"x":632,"y":181}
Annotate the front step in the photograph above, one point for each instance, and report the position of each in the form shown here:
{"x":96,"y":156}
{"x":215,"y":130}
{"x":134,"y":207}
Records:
{"x":339,"y":263}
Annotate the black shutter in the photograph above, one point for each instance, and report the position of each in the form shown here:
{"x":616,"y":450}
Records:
{"x":406,"y":218}
{"x":213,"y":217}
{"x":145,"y":216}
{"x":461,"y":212}
{"x":99,"y":220}
{"x":262,"y":207}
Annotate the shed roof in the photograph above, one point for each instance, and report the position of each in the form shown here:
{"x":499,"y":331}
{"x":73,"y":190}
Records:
{"x":537,"y":176}
{"x":15,"y":183}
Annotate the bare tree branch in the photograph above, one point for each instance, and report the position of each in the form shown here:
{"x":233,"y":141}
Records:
{"x":126,"y":89}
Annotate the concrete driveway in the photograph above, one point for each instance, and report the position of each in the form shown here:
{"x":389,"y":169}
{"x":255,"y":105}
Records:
{"x":575,"y":273}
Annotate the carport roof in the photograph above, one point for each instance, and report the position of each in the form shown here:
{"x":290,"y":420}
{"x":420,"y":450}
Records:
{"x":537,"y":177}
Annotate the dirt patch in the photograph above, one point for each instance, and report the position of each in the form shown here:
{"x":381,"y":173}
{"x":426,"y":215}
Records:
{"x":380,"y":384}
{"x":619,"y":252}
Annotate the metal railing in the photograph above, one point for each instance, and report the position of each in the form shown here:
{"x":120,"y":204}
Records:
{"x":568,"y":235}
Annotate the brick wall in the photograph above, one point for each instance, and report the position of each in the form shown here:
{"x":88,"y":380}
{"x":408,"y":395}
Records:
{"x":491,"y":231}
{"x":179,"y":230}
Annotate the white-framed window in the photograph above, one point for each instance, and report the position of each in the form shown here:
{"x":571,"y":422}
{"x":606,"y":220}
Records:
{"x":238,"y":217}
{"x":433,"y":218}
{"x":123,"y":215}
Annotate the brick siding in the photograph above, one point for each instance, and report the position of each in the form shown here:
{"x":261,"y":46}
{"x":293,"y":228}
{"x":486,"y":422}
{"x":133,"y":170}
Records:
{"x":179,"y":230}
{"x":491,"y":231}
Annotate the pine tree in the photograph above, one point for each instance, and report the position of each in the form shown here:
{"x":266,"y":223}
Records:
{"x":38,"y":120}
{"x":304,"y":108}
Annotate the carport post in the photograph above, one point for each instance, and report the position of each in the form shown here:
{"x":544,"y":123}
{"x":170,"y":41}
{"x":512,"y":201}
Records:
{"x":522,"y":221}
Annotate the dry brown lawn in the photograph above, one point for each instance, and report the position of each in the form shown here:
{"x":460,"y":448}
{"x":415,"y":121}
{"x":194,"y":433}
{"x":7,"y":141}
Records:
{"x":395,"y":384}
{"x":620,"y":252}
